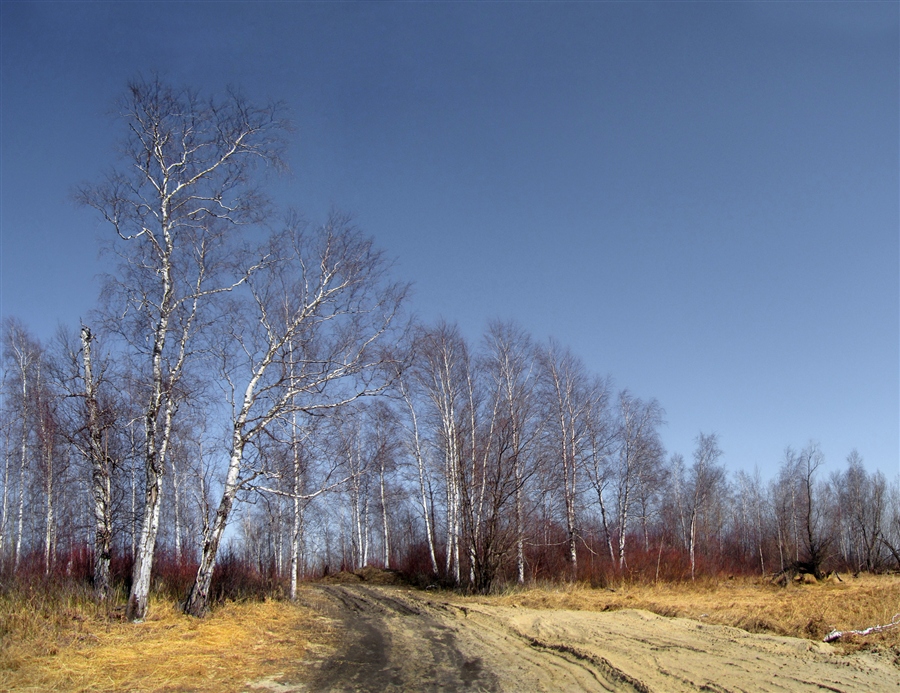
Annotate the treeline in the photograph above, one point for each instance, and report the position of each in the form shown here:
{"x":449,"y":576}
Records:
{"x":262,"y":389}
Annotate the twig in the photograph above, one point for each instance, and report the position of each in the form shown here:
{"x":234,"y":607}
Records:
{"x":837,"y":634}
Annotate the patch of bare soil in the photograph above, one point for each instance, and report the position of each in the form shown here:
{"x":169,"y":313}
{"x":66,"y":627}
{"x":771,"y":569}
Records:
{"x":398,"y":639}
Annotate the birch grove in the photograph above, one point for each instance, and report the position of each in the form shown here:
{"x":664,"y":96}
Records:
{"x":251,"y":398}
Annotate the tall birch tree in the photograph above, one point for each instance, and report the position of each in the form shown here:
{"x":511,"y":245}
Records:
{"x":639,"y":451}
{"x":442,"y":370}
{"x":22,"y":360}
{"x":184,"y":184}
{"x":704,"y":477}
{"x":304,"y":336}
{"x":510,"y":364}
{"x":566,"y":398}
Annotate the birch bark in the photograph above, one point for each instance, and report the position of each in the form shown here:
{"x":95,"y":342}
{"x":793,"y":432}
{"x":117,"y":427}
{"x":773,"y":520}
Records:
{"x":416,"y":447}
{"x":101,"y":488}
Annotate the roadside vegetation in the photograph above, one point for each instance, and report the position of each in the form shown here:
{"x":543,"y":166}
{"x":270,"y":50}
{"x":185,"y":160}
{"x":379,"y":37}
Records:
{"x":61,"y":640}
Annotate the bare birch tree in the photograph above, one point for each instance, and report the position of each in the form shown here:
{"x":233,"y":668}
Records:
{"x":890,"y":536}
{"x":510,"y":362}
{"x":88,"y":423}
{"x":863,"y":497}
{"x":443,"y":365}
{"x":639,"y":451}
{"x":566,"y":397}
{"x":415,"y":443}
{"x":184,"y":184}
{"x":704,"y":477}
{"x":600,"y":455}
{"x":755,"y":514}
{"x":101,"y":480}
{"x":304,"y":336}
{"x":23,"y":356}
{"x":384,"y":444}
{"x":802,"y":536}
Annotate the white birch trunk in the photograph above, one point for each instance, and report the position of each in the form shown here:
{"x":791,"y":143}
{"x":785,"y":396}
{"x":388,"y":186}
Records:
{"x":384,"y":521}
{"x":520,"y":532}
{"x":365,"y":529}
{"x":20,"y":522}
{"x":692,"y":542}
{"x":133,"y":523}
{"x":296,"y":539}
{"x":197,"y":603}
{"x":420,"y":467}
{"x":604,"y":516}
{"x":4,"y":503}
{"x":101,"y":489}
{"x":154,"y":459}
{"x":176,"y":506}
{"x":48,"y":491}
{"x":623,"y":521}
{"x":23,"y":461}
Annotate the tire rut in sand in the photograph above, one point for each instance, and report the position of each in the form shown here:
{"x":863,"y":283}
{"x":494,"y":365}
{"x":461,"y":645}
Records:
{"x":389,"y":645}
{"x":396,"y":641}
{"x":525,"y":663}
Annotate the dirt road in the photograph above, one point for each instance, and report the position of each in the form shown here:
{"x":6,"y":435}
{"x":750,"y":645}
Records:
{"x":396,"y":639}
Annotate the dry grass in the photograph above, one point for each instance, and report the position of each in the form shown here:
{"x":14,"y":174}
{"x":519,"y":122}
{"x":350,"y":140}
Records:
{"x":806,"y":611}
{"x":71,"y":645}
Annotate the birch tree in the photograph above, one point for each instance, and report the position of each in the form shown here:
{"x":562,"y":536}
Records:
{"x":416,"y":446}
{"x":566,"y":398}
{"x":6,"y":429}
{"x":443,"y":370}
{"x":890,"y":536}
{"x":639,"y":451}
{"x":305,"y":336}
{"x":384,"y":444}
{"x":802,"y":531}
{"x":704,"y":477}
{"x":862,"y":499}
{"x":183,"y":186}
{"x":755,"y":513}
{"x":599,"y":457}
{"x":101,"y":480}
{"x":88,"y":421}
{"x":510,"y":363}
{"x":22,"y":354}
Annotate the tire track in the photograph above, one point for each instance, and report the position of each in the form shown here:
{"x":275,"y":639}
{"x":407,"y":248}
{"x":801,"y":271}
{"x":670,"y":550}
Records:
{"x":390,"y":645}
{"x":398,"y":639}
{"x":395,"y":641}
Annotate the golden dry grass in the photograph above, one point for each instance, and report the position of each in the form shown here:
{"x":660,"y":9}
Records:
{"x":76,"y":647}
{"x":801,"y":610}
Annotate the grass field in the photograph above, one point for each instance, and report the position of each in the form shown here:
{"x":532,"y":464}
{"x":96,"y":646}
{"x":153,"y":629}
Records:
{"x":756,"y":605}
{"x":71,"y":645}
{"x":66,"y":643}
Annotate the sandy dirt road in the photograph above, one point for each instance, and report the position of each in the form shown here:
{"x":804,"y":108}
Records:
{"x":397,"y":639}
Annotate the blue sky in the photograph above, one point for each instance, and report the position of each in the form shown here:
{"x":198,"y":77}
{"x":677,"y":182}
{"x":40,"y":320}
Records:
{"x":701,"y":199}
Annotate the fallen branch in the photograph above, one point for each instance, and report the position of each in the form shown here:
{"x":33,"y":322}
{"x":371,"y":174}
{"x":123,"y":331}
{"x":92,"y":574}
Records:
{"x":837,"y":634}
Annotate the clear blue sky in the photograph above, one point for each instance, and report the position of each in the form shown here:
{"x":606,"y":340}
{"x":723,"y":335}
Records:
{"x":701,"y":199}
